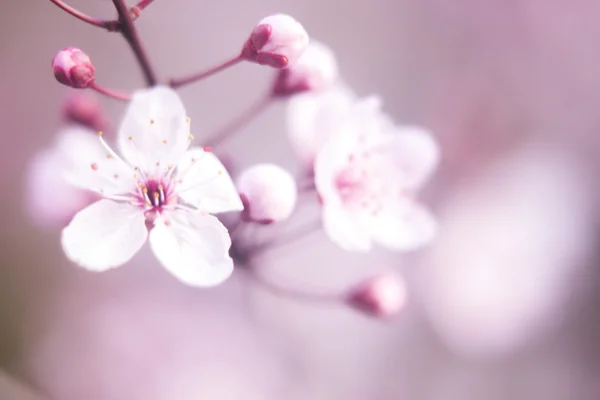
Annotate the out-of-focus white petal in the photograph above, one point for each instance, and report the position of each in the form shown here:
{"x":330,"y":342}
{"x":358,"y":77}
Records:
{"x":403,"y":226}
{"x":416,"y":154}
{"x":345,"y":229}
{"x":155,"y":129}
{"x":89,"y":165}
{"x":193,"y":247}
{"x":104,"y":235}
{"x":206,"y":184}
{"x":313,"y":117}
{"x":51,"y":201}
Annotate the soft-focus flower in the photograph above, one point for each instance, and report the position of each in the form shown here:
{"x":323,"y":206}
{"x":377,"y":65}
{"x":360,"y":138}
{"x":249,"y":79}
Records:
{"x":316,"y":70}
{"x":382,"y":296}
{"x":367,"y":175}
{"x":43,"y":178}
{"x":268,"y":192}
{"x":158,"y":183}
{"x":277,"y":41}
{"x":313,"y":117}
{"x":83,"y":109}
{"x":512,"y":245}
{"x":74,"y":68}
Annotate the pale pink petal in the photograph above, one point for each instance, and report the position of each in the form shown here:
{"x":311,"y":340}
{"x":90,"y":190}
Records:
{"x":313,"y":117}
{"x":155,"y":129}
{"x":104,"y":235}
{"x":403,"y":226}
{"x":416,"y":154}
{"x":193,"y":247}
{"x":43,"y":177}
{"x":205,"y":183}
{"x":345,"y":229}
{"x":86,"y":164}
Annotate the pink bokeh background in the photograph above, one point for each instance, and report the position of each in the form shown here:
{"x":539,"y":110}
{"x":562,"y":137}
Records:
{"x":503,"y":304}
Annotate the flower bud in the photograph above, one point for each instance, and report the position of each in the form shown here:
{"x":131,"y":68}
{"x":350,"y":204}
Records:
{"x":85,"y":110}
{"x":268,"y":192}
{"x":277,"y":41}
{"x":382,"y":296}
{"x":316,"y":70}
{"x":72,"y":67}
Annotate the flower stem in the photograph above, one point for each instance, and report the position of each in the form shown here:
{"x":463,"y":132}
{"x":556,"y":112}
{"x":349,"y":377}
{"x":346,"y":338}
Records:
{"x":110,"y":25}
{"x":136,"y":10}
{"x":109,"y":92}
{"x":176,"y":83}
{"x":236,"y":124}
{"x":130,"y":33}
{"x":296,"y":293}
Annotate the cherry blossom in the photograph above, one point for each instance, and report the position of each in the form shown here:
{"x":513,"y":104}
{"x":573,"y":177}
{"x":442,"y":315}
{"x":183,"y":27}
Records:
{"x":313,"y":117}
{"x":159,"y":184}
{"x":367,"y":175}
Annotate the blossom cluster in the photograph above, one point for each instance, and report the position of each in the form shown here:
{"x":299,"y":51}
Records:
{"x":157,"y":183}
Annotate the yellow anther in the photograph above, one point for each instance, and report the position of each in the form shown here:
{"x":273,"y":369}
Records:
{"x":165,"y":141}
{"x":140,"y":185}
{"x":151,"y":121}
{"x":220,"y":172}
{"x":100,"y":133}
{"x":160,"y":187}
{"x":188,"y":120}
{"x":109,"y":156}
{"x":145,"y":190}
{"x":131,"y":138}
{"x":157,"y":163}
{"x":191,"y":137}
{"x":156,"y":195}
{"x":169,"y":167}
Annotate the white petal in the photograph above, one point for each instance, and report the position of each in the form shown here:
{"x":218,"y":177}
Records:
{"x":345,"y":229}
{"x":155,"y":129}
{"x":313,"y":117}
{"x":193,"y":247}
{"x":51,"y":200}
{"x":206,"y":184}
{"x":416,"y":154}
{"x":86,"y":164}
{"x":104,"y":235}
{"x":403,"y":226}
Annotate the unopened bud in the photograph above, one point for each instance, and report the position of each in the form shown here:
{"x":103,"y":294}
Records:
{"x":317,"y":69}
{"x":382,"y":296}
{"x":268,"y":192}
{"x":277,"y":41}
{"x":85,"y":110}
{"x":72,"y":67}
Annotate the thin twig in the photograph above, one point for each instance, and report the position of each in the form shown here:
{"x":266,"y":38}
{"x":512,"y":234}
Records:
{"x":237,"y":123}
{"x":130,"y":33}
{"x":176,"y":83}
{"x":110,"y":92}
{"x":105,"y":24}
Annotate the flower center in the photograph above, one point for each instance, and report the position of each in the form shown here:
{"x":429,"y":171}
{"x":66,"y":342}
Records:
{"x":154,"y":194}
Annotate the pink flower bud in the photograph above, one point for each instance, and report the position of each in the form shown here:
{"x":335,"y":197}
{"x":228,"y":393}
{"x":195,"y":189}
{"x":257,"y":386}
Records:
{"x":382,"y":296}
{"x":268,"y":192}
{"x":277,"y":41}
{"x":72,"y":67}
{"x":316,"y":70}
{"x":85,"y":110}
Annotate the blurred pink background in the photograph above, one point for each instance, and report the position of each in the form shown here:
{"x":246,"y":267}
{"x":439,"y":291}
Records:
{"x":503,"y":305}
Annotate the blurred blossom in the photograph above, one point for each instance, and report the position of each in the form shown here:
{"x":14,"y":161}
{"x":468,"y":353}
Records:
{"x":367,"y":175}
{"x":277,"y":41}
{"x":43,"y":177}
{"x":83,"y":109}
{"x":508,"y":252}
{"x":316,"y":70}
{"x":171,"y":189}
{"x":313,"y":117}
{"x":268,"y":192}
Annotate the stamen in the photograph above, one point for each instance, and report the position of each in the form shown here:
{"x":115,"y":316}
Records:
{"x":156,"y":199}
{"x":190,"y":137}
{"x":162,"y":193}
{"x":151,"y":121}
{"x":146,"y":196}
{"x":110,"y":151}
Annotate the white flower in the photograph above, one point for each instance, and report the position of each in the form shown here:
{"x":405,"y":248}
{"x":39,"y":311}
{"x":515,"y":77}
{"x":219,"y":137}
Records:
{"x":158,"y":183}
{"x":367,"y":175}
{"x":313,"y":117}
{"x":316,"y":70}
